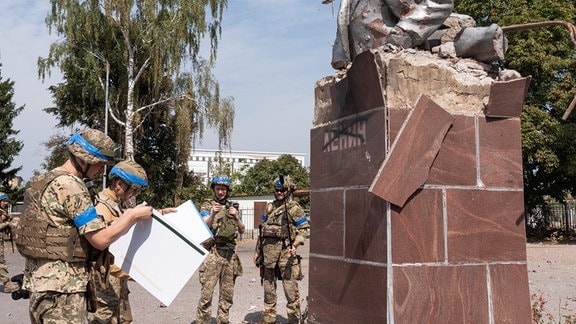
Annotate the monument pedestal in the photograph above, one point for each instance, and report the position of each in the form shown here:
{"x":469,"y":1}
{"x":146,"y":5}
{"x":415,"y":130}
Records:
{"x":417,"y":194}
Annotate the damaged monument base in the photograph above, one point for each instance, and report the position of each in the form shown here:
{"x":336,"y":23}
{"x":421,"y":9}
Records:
{"x":417,"y":193}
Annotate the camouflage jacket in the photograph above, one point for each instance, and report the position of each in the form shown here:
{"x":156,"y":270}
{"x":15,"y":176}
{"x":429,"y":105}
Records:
{"x":63,"y":201}
{"x":5,"y":219}
{"x":108,"y":206}
{"x":224,"y":226}
{"x":283,"y":216}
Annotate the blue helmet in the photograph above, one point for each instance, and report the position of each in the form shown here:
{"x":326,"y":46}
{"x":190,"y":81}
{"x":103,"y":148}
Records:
{"x":221,"y":180}
{"x":92,"y":146}
{"x":130,"y":172}
{"x":3,"y":196}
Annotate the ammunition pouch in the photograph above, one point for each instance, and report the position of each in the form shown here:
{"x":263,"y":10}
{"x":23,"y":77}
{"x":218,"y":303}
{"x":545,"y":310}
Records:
{"x":91,"y":298}
{"x":225,"y":253}
{"x":297,"y":269}
{"x":208,"y":243}
{"x":40,"y":240}
{"x":238,"y":271}
{"x":276,"y":231}
{"x":270,"y":274}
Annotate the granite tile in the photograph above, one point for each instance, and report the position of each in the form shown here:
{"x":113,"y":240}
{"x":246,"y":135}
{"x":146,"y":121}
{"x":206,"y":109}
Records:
{"x":417,"y":229}
{"x":456,"y":163}
{"x":365,"y":226}
{"x":510,"y":293}
{"x":485,"y":226}
{"x":507,"y":98}
{"x":340,"y":149}
{"x":440,"y":294}
{"x":407,"y":165}
{"x":364,"y":82}
{"x":341,"y":292}
{"x":500,"y":153}
{"x":328,"y":229}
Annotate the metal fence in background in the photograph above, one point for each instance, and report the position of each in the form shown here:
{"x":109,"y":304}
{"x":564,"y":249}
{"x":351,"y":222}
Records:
{"x":553,"y":217}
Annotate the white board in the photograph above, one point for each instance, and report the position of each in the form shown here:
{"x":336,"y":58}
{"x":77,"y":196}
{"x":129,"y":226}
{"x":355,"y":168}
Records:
{"x":162,"y":253}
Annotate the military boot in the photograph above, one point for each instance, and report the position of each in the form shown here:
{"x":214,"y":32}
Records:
{"x":268,"y":317}
{"x":10,"y":287}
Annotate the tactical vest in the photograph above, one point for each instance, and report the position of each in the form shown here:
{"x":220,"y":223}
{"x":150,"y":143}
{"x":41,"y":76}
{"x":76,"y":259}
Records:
{"x":5,"y":230}
{"x":111,"y":203}
{"x":224,"y":228}
{"x":38,"y":238}
{"x":278,"y":223}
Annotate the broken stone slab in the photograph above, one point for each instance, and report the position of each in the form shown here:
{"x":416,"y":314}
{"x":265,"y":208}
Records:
{"x":461,"y":86}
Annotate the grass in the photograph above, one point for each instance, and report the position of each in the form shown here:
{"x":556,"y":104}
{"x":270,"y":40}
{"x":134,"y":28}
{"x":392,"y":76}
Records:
{"x":541,"y":315}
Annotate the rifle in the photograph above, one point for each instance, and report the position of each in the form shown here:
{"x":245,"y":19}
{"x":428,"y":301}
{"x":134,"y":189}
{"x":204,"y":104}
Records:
{"x":260,"y":258}
{"x":8,"y":231}
{"x":281,"y":178}
{"x":299,"y":275}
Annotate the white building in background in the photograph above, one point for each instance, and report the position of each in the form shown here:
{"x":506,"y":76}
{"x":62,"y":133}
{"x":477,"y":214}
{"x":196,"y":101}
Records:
{"x":202,"y":161}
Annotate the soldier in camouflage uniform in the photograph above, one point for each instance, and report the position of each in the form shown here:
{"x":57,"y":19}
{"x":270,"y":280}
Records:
{"x":285,"y":227}
{"x":5,"y":219}
{"x":222,"y":265}
{"x":60,"y":228}
{"x":127,"y":179}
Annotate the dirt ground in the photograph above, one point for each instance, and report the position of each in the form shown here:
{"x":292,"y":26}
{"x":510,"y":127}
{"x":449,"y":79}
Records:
{"x":552,"y":277}
{"x":551,"y":271}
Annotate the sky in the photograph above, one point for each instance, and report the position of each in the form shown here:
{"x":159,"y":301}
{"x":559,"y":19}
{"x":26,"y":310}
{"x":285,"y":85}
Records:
{"x":269,"y":57}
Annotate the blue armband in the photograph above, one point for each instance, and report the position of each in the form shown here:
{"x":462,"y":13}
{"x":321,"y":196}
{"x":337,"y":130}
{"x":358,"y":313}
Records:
{"x":86,"y":217}
{"x":300,"y":221}
{"x":205,"y":213}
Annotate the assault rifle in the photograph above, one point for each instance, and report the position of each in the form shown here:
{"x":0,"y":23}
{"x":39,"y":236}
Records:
{"x":281,"y":178}
{"x":297,"y":258}
{"x":260,"y":258}
{"x":8,"y":231}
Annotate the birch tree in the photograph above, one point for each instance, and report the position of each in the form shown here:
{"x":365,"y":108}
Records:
{"x":137,"y":58}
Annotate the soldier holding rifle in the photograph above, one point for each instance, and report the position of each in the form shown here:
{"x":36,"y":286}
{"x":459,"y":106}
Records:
{"x":222,"y":265}
{"x":284,"y":229}
{"x":5,"y":229}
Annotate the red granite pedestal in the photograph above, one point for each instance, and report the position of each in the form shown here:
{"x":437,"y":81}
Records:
{"x":417,"y":212}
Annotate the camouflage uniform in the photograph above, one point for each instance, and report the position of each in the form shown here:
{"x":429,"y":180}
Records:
{"x":57,"y":287}
{"x":222,"y":265}
{"x":281,"y":217}
{"x":58,"y":213}
{"x":6,"y":218}
{"x":111,"y":282}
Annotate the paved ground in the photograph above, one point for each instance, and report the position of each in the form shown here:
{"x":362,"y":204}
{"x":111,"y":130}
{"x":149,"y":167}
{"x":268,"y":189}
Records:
{"x":551,"y":271}
{"x":248,"y":299}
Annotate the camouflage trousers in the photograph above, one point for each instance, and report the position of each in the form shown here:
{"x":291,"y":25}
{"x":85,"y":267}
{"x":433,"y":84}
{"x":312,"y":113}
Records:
{"x":4,"y":275}
{"x":280,"y":264}
{"x":222,"y":270}
{"x":57,"y":308}
{"x":113,"y":302}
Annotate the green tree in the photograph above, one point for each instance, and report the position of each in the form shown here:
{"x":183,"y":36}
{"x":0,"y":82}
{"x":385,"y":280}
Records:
{"x":259,"y":179}
{"x":10,"y":147}
{"x":548,"y":56}
{"x":143,"y":57}
{"x":56,"y":144}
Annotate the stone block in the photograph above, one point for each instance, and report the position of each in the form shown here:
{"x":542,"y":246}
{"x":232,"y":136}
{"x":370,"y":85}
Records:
{"x":346,"y":292}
